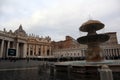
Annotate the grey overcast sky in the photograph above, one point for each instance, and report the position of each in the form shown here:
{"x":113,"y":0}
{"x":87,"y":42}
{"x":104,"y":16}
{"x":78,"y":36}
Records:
{"x":58,"y":18}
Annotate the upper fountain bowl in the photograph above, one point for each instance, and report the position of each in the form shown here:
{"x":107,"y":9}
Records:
{"x":91,"y":25}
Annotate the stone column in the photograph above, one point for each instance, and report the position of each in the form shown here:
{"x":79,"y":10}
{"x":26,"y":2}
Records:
{"x":116,"y":52}
{"x":83,"y":52}
{"x":41,"y":50}
{"x":17,"y":50}
{"x":28,"y":50}
{"x":33,"y":51}
{"x":50,"y":51}
{"x":36,"y":50}
{"x":80,"y":54}
{"x":119,"y":51}
{"x":113,"y":52}
{"x":103,"y":53}
{"x":2,"y":46}
{"x":106,"y":53}
{"x":12,"y":45}
{"x":24,"y":50}
{"x":8,"y":46}
{"x":110,"y":52}
{"x":45,"y":50}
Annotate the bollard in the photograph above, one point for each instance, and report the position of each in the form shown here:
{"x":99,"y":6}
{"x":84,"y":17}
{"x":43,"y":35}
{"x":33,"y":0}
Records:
{"x":52,"y":72}
{"x":69,"y":71}
{"x":105,"y":73}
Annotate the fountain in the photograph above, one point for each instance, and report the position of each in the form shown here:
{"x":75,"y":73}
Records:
{"x":93,"y":40}
{"x":93,"y":67}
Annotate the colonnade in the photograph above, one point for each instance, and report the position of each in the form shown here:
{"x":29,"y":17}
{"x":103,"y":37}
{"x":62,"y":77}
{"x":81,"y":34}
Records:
{"x":5,"y":45}
{"x":71,"y":52}
{"x":23,"y":49}
{"x":107,"y":52}
{"x":112,"y":52}
{"x":38,"y":50}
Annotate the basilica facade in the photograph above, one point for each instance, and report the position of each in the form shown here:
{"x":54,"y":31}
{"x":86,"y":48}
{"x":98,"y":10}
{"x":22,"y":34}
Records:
{"x":24,"y":45}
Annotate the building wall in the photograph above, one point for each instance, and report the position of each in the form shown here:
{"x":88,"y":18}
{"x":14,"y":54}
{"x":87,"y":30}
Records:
{"x":110,"y":48}
{"x":25,"y":45}
{"x":35,"y":46}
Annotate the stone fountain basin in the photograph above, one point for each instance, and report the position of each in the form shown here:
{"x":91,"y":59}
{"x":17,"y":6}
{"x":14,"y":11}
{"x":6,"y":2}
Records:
{"x":83,"y":66}
{"x":84,"y":63}
{"x":93,"y":38}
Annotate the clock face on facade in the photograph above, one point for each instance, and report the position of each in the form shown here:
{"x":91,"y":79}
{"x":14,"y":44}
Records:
{"x":11,"y":52}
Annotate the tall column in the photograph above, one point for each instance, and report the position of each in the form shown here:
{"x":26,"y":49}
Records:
{"x":8,"y":46}
{"x":107,"y":54}
{"x":83,"y":52}
{"x":17,"y":50}
{"x":24,"y":50}
{"x":113,"y":54}
{"x":104,"y":54}
{"x":116,"y":52}
{"x":110,"y":52}
{"x":2,"y":46}
{"x":80,"y":53}
{"x":33,"y":50}
{"x":41,"y":50}
{"x":36,"y":50}
{"x":28,"y":50}
{"x":50,"y":51}
{"x":45,"y":50}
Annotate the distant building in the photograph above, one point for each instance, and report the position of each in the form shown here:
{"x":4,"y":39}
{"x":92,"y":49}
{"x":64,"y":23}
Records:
{"x":71,"y":48}
{"x":25,"y":45}
{"x":34,"y":46}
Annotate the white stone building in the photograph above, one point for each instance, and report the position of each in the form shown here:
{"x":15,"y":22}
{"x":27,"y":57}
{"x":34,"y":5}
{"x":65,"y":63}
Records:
{"x":25,"y":45}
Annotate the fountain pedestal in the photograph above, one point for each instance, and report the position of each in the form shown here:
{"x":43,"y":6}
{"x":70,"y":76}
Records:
{"x":93,"y":53}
